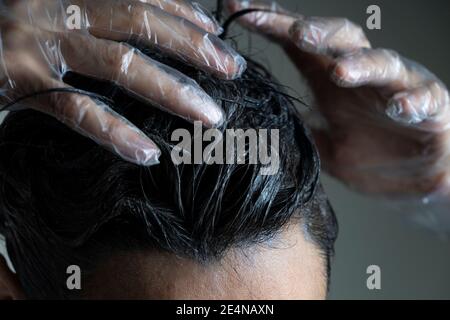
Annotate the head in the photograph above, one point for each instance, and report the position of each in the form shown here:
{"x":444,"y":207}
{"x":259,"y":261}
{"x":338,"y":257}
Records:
{"x":171,"y":231}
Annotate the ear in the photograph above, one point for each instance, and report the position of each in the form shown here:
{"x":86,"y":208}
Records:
{"x":10,"y":288}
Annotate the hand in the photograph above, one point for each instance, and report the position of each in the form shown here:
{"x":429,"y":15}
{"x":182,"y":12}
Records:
{"x":37,"y":49}
{"x":386,"y":119}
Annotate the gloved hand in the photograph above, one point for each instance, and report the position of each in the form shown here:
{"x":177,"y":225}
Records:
{"x":384,"y":120}
{"x":38,"y":45}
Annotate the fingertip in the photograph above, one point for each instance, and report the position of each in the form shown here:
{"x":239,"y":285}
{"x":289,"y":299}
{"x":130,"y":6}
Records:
{"x":339,"y":71}
{"x":394,"y":110}
{"x":133,"y":145}
{"x":240,"y":65}
{"x":224,"y":61}
{"x":196,"y":105}
{"x":340,"y":75}
{"x":145,"y":152}
{"x":149,"y":157}
{"x":207,"y":20}
{"x":401,"y":110}
{"x":349,"y":72}
{"x":304,"y":37}
{"x":211,"y":114}
{"x":216,"y":118}
{"x":217,"y":31}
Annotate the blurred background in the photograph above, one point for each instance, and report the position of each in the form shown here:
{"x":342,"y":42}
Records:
{"x":414,"y":260}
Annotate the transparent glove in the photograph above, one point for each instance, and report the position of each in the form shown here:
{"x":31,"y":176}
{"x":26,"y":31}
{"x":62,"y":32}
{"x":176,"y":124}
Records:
{"x":41,"y":40}
{"x":381,"y":122}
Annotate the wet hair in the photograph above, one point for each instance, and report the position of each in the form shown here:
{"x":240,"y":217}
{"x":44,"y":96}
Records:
{"x":64,"y":200}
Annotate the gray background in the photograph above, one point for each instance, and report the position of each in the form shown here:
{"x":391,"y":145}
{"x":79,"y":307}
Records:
{"x":414,"y":261}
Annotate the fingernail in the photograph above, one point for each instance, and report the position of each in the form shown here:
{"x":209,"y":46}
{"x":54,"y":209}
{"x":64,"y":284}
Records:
{"x":241,"y":66}
{"x":224,"y":58}
{"x":397,"y":112}
{"x":348,"y":74}
{"x":401,"y":110}
{"x":141,"y":150}
{"x":216,"y":116}
{"x":210,"y":111}
{"x":394,"y":110}
{"x":147,"y":153}
{"x":339,"y":76}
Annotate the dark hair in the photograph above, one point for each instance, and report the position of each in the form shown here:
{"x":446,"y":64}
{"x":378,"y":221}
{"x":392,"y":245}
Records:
{"x":64,"y":200}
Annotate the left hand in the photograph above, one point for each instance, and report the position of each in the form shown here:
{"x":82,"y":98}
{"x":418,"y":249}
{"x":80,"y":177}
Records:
{"x":387,"y":119}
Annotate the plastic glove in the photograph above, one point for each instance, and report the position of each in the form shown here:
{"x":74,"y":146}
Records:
{"x":38,"y":45}
{"x":383,"y":120}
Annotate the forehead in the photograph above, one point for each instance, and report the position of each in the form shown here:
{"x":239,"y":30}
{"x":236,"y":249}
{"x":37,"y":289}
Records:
{"x":289,"y":267}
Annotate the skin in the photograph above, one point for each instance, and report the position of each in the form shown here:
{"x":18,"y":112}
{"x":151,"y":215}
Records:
{"x":287,"y":267}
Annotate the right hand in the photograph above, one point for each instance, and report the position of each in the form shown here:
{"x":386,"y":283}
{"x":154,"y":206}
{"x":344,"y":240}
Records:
{"x":37,"y":49}
{"x":385,"y":120}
